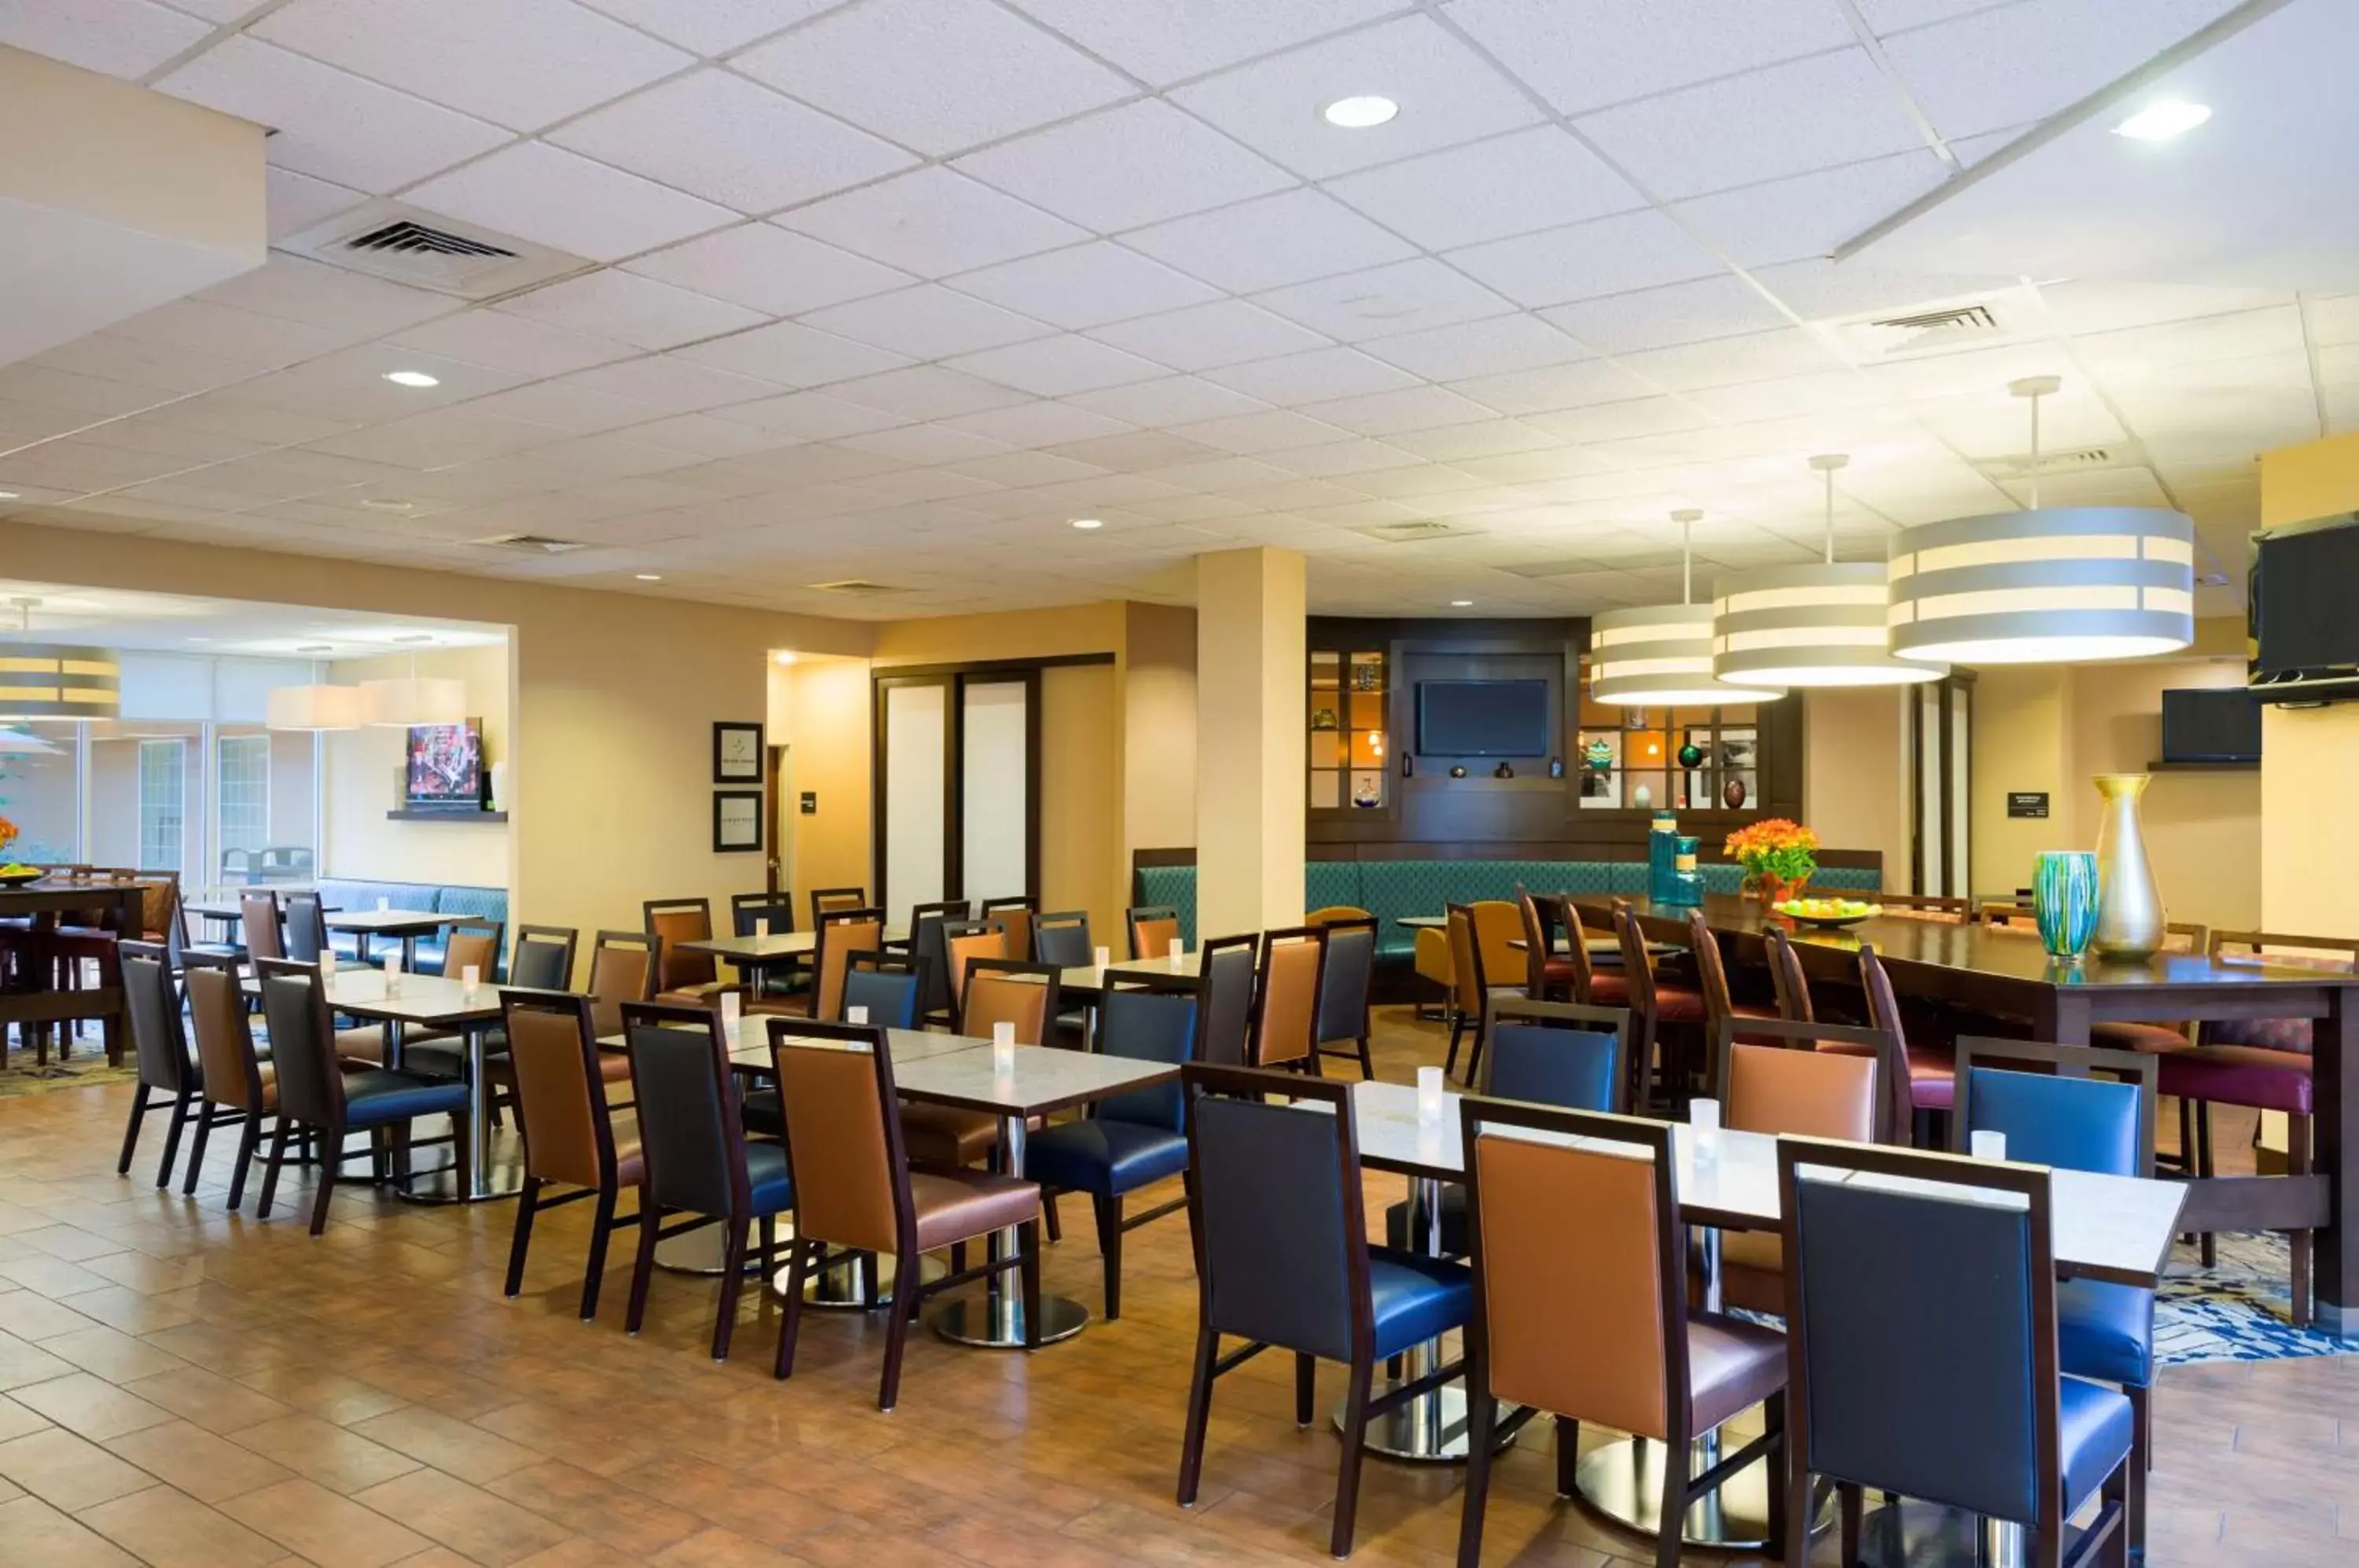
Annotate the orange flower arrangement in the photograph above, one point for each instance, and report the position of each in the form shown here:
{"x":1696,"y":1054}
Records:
{"x":8,"y":833}
{"x":1779,"y":854}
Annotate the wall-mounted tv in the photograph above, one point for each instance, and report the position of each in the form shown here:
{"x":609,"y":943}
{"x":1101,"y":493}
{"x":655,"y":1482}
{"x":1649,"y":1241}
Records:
{"x":2305,"y":637}
{"x":446,"y":766}
{"x":2211,"y":724}
{"x":1483,"y":718}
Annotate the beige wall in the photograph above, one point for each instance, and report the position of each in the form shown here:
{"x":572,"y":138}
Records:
{"x":1017,"y":634}
{"x":2310,"y":858}
{"x":1082,"y":796}
{"x":364,"y":780}
{"x":826,"y":711}
{"x":1854,"y":780}
{"x":2021,"y":740}
{"x":1159,"y":757}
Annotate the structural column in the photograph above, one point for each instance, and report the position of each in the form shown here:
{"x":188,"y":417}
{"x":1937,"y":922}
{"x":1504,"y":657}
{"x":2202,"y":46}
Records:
{"x":1250,"y":711}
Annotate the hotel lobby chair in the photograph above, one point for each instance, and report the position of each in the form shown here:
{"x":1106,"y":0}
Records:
{"x":931,"y":942}
{"x":696,"y":1159}
{"x":1652,"y":1006}
{"x":1429,"y":960}
{"x":963,"y":942}
{"x":1062,"y":938}
{"x":1711,"y":979}
{"x":1906,"y":1301}
{"x":684,"y":978}
{"x":569,"y":1131}
{"x":542,"y":958}
{"x":1344,"y":984}
{"x":1594,"y":984}
{"x":160,"y":1052}
{"x":1580,"y":1263}
{"x":258,"y":925}
{"x":1548,"y":974}
{"x":622,"y":969}
{"x":857,"y":1191}
{"x":1336,"y":915}
{"x":1786,"y":977}
{"x":1287,"y":990}
{"x":1275,"y":1208}
{"x":1226,"y":982}
{"x":1932,"y":1068}
{"x":831,"y":901}
{"x":887,"y":986}
{"x":240,"y":1087}
{"x":747,"y":912}
{"x":303,"y":926}
{"x":1153,"y":928}
{"x":1472,"y":987}
{"x":1015,"y":916}
{"x":836,"y":937}
{"x":2161,"y":1039}
{"x":997,"y":991}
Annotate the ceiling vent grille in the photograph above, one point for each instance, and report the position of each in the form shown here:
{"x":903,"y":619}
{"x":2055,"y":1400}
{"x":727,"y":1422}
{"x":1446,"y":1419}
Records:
{"x":408,"y":238}
{"x":532,"y":544}
{"x":856,"y":588}
{"x":1930,"y":329}
{"x":425,"y":250}
{"x":1413,"y":533}
{"x":2078,"y":460}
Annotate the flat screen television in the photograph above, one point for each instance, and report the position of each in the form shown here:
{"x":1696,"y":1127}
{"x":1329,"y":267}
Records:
{"x":2303,"y":627}
{"x":1483,"y":718}
{"x":2214,"y":725}
{"x":446,"y":766}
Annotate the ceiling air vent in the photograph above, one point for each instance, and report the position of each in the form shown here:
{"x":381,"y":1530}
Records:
{"x":1929,"y":329}
{"x":531,"y":544}
{"x":854,"y":587}
{"x":2078,"y":460}
{"x":425,"y":250}
{"x":1413,"y":533}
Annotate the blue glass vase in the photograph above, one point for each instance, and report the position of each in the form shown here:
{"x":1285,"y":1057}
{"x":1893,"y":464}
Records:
{"x":1662,"y":848}
{"x":2064,"y":900}
{"x":1685,"y":884}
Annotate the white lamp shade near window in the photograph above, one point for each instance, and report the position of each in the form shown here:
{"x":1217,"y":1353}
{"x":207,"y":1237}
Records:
{"x":2047,"y":585}
{"x":314,"y":708}
{"x":1661,"y":655}
{"x":44,"y":680}
{"x":413,"y":700}
{"x":1809,"y":626}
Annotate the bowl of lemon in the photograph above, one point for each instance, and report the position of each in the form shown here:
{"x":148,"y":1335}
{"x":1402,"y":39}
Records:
{"x":1830,"y":913}
{"x":15,"y":875}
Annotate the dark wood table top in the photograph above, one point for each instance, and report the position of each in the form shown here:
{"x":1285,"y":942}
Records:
{"x":52,"y":893}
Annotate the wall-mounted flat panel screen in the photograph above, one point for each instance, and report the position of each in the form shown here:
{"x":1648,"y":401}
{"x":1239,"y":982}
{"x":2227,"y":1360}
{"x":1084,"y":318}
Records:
{"x":1483,"y":718}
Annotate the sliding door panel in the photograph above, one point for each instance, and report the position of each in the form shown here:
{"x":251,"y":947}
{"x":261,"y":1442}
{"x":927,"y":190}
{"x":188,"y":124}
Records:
{"x":996,"y":787}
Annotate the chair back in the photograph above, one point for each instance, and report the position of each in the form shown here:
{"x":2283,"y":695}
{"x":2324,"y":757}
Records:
{"x":963,"y":941}
{"x":477,"y":943}
{"x":931,"y":942}
{"x":1786,"y":976}
{"x":1466,"y":974}
{"x":673,"y":921}
{"x":224,"y":1032}
{"x":690,"y":1128}
{"x":1875,"y":1272}
{"x":162,"y":1048}
{"x":1793,"y":1088}
{"x":1556,"y":1053}
{"x":1927,"y":906}
{"x":1013,"y":916}
{"x":1498,"y":926}
{"x":622,"y":969}
{"x":839,"y":935}
{"x":1153,"y":928}
{"x":258,"y":927}
{"x":1351,"y":968}
{"x":560,"y":1092}
{"x":828,"y":901}
{"x":1576,"y":948}
{"x":542,"y":959}
{"x":1580,"y":1263}
{"x":1286,"y":1004}
{"x":303,"y":927}
{"x":844,"y":1134}
{"x":1711,"y":971}
{"x":1224,"y":990}
{"x":1539,"y":942}
{"x":887,"y":985}
{"x":2075,"y":1107}
{"x":1000,"y":990}
{"x":1148,"y":1020}
{"x":1276,"y":1209}
{"x":1637,"y":963}
{"x":160,"y":904}
{"x":303,"y":1042}
{"x":1062,"y":938}
{"x":1336,"y":915}
{"x":749,"y":910}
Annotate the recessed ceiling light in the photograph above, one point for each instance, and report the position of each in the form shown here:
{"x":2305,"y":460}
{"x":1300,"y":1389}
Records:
{"x":1088,"y":523}
{"x":1360,"y":113}
{"x":1461,"y":604}
{"x":784,"y":656}
{"x":386,"y":504}
{"x":2160,"y":122}
{"x":648,"y":576}
{"x":412,"y":379}
{"x":8,"y":495}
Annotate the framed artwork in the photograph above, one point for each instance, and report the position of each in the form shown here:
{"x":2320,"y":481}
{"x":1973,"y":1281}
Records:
{"x":736,"y":821}
{"x":736,"y":754}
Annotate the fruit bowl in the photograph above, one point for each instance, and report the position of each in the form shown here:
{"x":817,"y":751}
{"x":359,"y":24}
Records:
{"x":1829,"y":914}
{"x":18,"y":875}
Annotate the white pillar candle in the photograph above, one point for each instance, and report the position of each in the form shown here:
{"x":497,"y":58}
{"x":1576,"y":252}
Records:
{"x":393,"y":975}
{"x":761,"y":926}
{"x":731,"y":1005}
{"x":1003,"y":1047}
{"x":470,"y":980}
{"x":1179,"y":953}
{"x":1986,"y":1144}
{"x":855,"y":1015}
{"x":1429,"y":1092}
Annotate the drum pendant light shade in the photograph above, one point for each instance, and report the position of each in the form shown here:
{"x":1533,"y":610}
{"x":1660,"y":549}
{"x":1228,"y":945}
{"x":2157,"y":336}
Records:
{"x":314,"y":708}
{"x":1661,"y":655}
{"x":409,"y":700}
{"x":44,"y":681}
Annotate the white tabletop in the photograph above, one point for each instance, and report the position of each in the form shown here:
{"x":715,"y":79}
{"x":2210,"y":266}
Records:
{"x":1090,"y":977}
{"x":422,"y":998}
{"x":392,"y":921}
{"x":1042,"y":1079}
{"x":780,"y":945}
{"x":749,"y":1044}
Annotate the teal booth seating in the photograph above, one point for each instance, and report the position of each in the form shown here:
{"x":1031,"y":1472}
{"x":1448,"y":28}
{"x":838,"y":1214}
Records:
{"x":339,"y":893}
{"x":1389,"y":889}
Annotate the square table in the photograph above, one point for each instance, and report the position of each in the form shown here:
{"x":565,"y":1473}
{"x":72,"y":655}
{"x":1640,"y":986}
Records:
{"x":407,"y":924}
{"x":1089,"y":980}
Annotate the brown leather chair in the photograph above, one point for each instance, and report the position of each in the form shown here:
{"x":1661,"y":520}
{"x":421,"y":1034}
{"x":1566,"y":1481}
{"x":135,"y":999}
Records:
{"x":2156,"y":1039}
{"x":965,"y":941}
{"x":1153,"y":930}
{"x":1711,"y":979}
{"x":622,"y":969}
{"x":827,"y":901}
{"x":239,"y":1086}
{"x":1653,"y":1005}
{"x":569,"y":1133}
{"x":258,"y":925}
{"x":1592,"y":987}
{"x":1336,"y":914}
{"x":854,"y":1189}
{"x":1015,"y":917}
{"x":1547,"y":975}
{"x":1581,"y":1310}
{"x":474,"y":945}
{"x":1293,"y":966}
{"x":997,"y":991}
{"x":836,"y":936}
{"x":1793,"y":986}
{"x":1931,"y":1078}
{"x":684,"y":978}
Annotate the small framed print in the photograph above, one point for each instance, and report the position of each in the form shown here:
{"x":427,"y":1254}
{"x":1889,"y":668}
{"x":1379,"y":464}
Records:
{"x":736,"y":754}
{"x":736,"y":821}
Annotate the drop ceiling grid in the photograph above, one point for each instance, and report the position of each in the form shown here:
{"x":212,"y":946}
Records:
{"x":1469,"y":360}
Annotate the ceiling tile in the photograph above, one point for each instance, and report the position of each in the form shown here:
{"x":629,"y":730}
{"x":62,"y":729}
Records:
{"x":119,"y":37}
{"x":1449,"y":94}
{"x":1122,"y":167}
{"x":1582,"y":54}
{"x":1057,"y":367}
{"x":1811,"y":215}
{"x":1606,"y":255}
{"x":927,"y":321}
{"x":673,"y":383}
{"x":1406,"y":297}
{"x":713,"y":27}
{"x":1174,"y":401}
{"x":717,"y":135}
{"x":1622,"y":421}
{"x":1530,"y":180}
{"x":931,"y":221}
{"x":1487,"y":437}
{"x":296,"y":201}
{"x":1784,"y":119}
{"x":1822,"y":290}
{"x":239,"y":340}
{"x":1163,"y":41}
{"x":1022,"y":468}
{"x":1133,"y":452}
{"x":521,"y":64}
{"x":331,"y":124}
{"x":1086,"y":286}
{"x":1386,"y":413}
{"x":513,"y":343}
{"x":1226,"y":331}
{"x":349,"y":304}
{"x":1723,"y":361}
{"x":633,"y":310}
{"x":1554,"y":387}
{"x":2094,"y":305}
{"x":557,"y":198}
{"x":1714,"y":307}
{"x":1286,"y":238}
{"x":1272,"y":430}
{"x":1311,"y":377}
{"x":1489,"y":347}
{"x":769,"y":269}
{"x":707,"y":435}
{"x":928,"y":392}
{"x":1044,"y":423}
{"x":810,"y":415}
{"x":936,"y":75}
{"x":792,"y":354}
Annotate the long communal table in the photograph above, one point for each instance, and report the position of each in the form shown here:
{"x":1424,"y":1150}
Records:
{"x":40,"y":1000}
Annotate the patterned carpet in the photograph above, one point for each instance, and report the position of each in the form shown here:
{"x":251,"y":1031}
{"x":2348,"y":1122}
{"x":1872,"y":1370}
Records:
{"x":2240,"y":1310}
{"x":21,"y":1077}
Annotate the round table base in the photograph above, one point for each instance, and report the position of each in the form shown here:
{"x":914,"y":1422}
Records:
{"x":1623,"y":1481}
{"x":1430,"y":1429}
{"x":1926,"y":1535}
{"x":842,"y":1289}
{"x":434,"y":1172}
{"x":978,"y":1320}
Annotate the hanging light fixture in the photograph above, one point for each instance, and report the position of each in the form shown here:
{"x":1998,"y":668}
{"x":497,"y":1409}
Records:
{"x":1662,"y":654}
{"x":2050,"y":584}
{"x":49,"y":680}
{"x":402,"y":701}
{"x":314,"y":708}
{"x":1811,"y":625}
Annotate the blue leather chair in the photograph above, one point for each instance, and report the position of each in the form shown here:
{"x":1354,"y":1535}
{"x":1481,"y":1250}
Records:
{"x":1131,"y":1140}
{"x":1922,"y":1352}
{"x":2061,"y":1117}
{"x":1275,"y":1202}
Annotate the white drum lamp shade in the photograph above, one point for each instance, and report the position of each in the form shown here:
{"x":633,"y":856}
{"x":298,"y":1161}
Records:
{"x":1661,"y":655}
{"x":410,"y":700}
{"x":2055,"y":584}
{"x":45,"y":681}
{"x":314,"y":708}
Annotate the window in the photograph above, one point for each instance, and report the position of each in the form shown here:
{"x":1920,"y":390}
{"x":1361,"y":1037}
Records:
{"x":243,"y":791}
{"x":162,"y":811}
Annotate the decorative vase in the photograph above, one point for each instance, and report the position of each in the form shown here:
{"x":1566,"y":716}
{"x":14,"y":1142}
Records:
{"x":2129,"y":906}
{"x":1776,"y":889}
{"x":2064,"y":898}
{"x":1733,"y":794}
{"x":1690,"y":756}
{"x":1598,"y":754}
{"x":1642,"y":796}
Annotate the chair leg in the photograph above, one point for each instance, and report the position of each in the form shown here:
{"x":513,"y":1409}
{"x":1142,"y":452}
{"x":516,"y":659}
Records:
{"x":1367,"y":1065}
{"x":247,"y":1135}
{"x":527,"y":1203}
{"x":791,"y":1321}
{"x":2210,"y":1246}
{"x":131,"y":1133}
{"x":732,"y":1283}
{"x":1049,"y":1210}
{"x":896,"y":1334}
{"x":2298,"y":1131}
{"x":1482,"y":1414}
{"x":593,"y":1272}
{"x":1457,"y":1028}
{"x":1849,"y":1501}
{"x":2140,"y":1461}
{"x":1109,"y":1208}
{"x":270,"y":1172}
{"x":172,"y":1138}
{"x":332,"y":1143}
{"x":1347,"y":1475}
{"x":1027,"y":1243}
{"x":1200,"y":1411}
{"x":643,"y":1266}
{"x":1773,"y":1424}
{"x":1798,"y":1498}
{"x":1568,"y":1456}
{"x":1474,"y":1056}
{"x":203,"y":1113}
{"x":1306,"y":1389}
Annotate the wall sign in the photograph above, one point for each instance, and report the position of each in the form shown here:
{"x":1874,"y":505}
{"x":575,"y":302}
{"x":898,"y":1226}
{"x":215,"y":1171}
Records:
{"x":2027,"y":802}
{"x":810,"y":802}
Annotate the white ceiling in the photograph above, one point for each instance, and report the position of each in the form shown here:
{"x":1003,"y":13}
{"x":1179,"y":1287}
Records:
{"x":891,"y":290}
{"x":179,"y":623}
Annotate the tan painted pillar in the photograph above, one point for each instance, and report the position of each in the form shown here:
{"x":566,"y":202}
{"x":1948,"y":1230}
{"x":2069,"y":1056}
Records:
{"x":1250,"y":672}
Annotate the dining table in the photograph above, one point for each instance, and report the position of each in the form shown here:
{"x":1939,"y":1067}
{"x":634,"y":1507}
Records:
{"x":763,"y":952}
{"x":1087,"y":981}
{"x":2004,"y":970}
{"x":119,"y":906}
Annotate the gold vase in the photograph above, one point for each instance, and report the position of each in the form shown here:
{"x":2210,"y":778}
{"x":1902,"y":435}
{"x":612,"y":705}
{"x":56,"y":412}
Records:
{"x":2129,"y":906}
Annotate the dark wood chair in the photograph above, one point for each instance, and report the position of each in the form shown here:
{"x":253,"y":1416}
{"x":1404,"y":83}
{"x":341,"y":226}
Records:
{"x":569,"y":1130}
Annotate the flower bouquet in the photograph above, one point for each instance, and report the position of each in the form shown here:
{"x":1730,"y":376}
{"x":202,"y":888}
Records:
{"x":1778,"y":856}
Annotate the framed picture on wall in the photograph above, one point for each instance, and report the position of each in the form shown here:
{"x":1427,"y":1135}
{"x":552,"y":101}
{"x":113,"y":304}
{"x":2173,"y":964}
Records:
{"x":736,"y":754}
{"x":736,"y":821}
